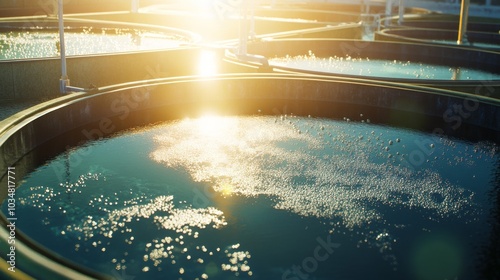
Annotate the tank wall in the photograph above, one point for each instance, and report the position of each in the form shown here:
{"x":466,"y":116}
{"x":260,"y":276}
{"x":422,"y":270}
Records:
{"x":452,"y":25}
{"x":427,"y":35}
{"x":23,"y":79}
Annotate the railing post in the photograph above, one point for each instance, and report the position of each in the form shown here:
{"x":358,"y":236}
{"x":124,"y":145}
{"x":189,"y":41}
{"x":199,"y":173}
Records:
{"x":64,"y":81}
{"x":401,"y":11}
{"x":134,"y":8}
{"x":462,"y":26}
{"x":242,"y":50}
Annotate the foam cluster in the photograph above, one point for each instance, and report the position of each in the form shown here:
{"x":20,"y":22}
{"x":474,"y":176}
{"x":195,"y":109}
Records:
{"x":319,"y":168}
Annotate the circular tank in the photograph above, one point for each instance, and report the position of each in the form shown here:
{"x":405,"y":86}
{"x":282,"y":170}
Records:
{"x":98,"y":53}
{"x":396,"y":173}
{"x":448,"y":67}
{"x":33,"y":39}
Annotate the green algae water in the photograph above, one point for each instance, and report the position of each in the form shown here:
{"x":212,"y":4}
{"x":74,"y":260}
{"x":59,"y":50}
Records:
{"x":266,"y":197}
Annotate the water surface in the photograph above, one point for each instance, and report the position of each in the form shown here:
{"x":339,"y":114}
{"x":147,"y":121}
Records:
{"x":396,"y":69}
{"x":40,"y":44}
{"x":266,"y":197}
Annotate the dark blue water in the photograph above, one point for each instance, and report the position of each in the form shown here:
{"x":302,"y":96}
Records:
{"x":266,"y":198}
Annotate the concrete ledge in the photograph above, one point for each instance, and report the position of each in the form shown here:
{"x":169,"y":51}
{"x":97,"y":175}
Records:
{"x":22,"y":79}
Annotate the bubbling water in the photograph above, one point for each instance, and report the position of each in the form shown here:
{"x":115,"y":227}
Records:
{"x":39,"y":43}
{"x":358,"y":66}
{"x":213,"y":197}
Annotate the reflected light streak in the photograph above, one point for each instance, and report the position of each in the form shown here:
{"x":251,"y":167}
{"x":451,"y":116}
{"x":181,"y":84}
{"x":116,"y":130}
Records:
{"x":226,"y":189}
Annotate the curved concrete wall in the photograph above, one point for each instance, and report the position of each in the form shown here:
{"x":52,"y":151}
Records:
{"x":452,"y":25}
{"x":23,"y":79}
{"x":427,"y":35}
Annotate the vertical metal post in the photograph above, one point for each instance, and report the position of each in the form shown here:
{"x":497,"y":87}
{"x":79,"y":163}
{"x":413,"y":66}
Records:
{"x":243,"y":28}
{"x":388,"y":12}
{"x":401,"y":11}
{"x":462,"y":26}
{"x":252,"y":20}
{"x":64,"y":81}
{"x":135,"y":6}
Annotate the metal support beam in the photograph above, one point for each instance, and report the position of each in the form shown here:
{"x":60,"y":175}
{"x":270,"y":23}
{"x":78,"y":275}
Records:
{"x":134,"y":6}
{"x":252,"y":21}
{"x":401,"y":11}
{"x":242,"y":49}
{"x":64,"y":86}
{"x":64,"y":81}
{"x":388,"y":12}
{"x":462,"y":26}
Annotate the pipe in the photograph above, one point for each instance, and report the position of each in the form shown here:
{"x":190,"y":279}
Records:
{"x":135,"y":6}
{"x":367,"y":6}
{"x":388,"y":12}
{"x":462,"y":26}
{"x":64,"y":86}
{"x":243,"y":28}
{"x":252,"y":21}
{"x":401,"y":11}
{"x":64,"y":81}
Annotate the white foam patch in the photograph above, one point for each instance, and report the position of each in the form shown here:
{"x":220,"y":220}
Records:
{"x":261,"y":156}
{"x":180,"y":220}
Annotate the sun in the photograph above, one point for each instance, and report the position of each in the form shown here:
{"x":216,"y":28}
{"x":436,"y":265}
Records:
{"x":207,"y":63}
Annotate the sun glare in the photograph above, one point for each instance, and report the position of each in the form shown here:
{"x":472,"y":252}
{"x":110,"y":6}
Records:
{"x":211,"y":125}
{"x":207,"y":63}
{"x":226,"y":189}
